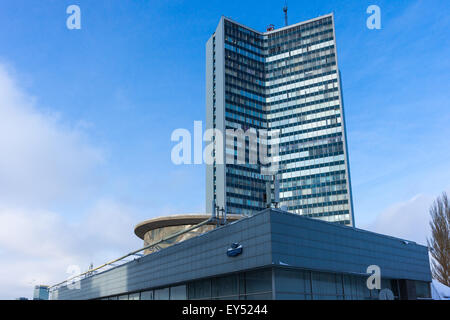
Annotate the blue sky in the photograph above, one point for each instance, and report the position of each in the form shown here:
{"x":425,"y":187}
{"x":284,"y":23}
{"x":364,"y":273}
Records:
{"x":108,"y":97}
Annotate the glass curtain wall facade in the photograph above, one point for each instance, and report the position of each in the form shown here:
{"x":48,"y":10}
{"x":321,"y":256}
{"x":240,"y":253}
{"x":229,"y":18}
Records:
{"x":286,"y":80}
{"x":278,"y":283}
{"x":40,"y":293}
{"x":245,"y":109}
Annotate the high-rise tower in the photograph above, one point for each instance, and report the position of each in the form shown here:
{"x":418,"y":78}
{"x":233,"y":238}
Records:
{"x":285,"y":80}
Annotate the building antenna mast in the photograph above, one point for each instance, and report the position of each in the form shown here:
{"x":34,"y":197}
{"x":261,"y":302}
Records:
{"x":285,"y":10}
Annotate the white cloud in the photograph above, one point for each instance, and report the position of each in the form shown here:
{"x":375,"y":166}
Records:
{"x":45,"y":163}
{"x":37,"y":247}
{"x":41,"y":158}
{"x":407,"y":220}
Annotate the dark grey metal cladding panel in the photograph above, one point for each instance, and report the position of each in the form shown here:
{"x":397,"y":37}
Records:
{"x":198,"y":257}
{"x":314,"y":244}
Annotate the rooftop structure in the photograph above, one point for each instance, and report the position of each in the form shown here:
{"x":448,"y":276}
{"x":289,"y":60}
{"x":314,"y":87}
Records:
{"x":156,"y":229}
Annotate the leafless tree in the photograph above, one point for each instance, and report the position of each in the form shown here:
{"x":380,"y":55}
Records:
{"x":439,"y":243}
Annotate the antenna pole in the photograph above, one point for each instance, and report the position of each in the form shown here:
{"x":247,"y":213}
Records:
{"x":285,"y":10}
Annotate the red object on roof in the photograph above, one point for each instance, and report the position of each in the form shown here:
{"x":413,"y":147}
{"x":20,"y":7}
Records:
{"x":270,"y":27}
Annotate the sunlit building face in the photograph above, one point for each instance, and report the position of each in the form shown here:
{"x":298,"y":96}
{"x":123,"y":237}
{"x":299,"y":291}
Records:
{"x":286,"y":80}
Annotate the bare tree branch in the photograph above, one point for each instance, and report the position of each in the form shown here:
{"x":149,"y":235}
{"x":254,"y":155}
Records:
{"x":439,"y":243}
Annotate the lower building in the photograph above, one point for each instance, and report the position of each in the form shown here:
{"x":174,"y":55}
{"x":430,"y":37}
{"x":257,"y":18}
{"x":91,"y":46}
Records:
{"x":40,"y":292}
{"x":270,"y":255}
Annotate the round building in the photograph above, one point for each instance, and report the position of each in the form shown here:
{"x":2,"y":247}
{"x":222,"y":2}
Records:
{"x":156,"y":229}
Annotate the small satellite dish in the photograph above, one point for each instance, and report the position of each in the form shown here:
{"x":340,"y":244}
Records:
{"x":386,"y":294}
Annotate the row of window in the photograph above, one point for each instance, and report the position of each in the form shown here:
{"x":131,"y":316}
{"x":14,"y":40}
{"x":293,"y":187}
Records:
{"x":301,"y":68}
{"x":274,"y":53}
{"x":246,"y":285}
{"x":268,"y":46}
{"x":301,"y":113}
{"x":301,"y":58}
{"x":316,"y":142}
{"x":299,"y":77}
{"x":313,"y":171}
{"x":302,"y":29}
{"x":257,"y":76}
{"x":310,"y":162}
{"x":311,"y":133}
{"x":339,"y":213}
{"x":303,"y":193}
{"x":319,"y":180}
{"x":282,"y":283}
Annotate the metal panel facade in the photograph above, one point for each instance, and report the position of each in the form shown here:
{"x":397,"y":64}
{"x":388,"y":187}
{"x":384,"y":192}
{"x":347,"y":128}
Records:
{"x":269,"y":238}
{"x":319,"y":245}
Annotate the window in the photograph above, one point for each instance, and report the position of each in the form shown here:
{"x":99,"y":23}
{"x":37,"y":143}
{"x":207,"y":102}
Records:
{"x":147,"y":295}
{"x":200,"y":289}
{"x":325,"y":285}
{"x":423,"y":289}
{"x":260,"y":296}
{"x":258,"y":281}
{"x":133,"y":296}
{"x":292,"y":281}
{"x":355,"y":288}
{"x":161,"y":294}
{"x":225,"y":286}
{"x":178,"y":293}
